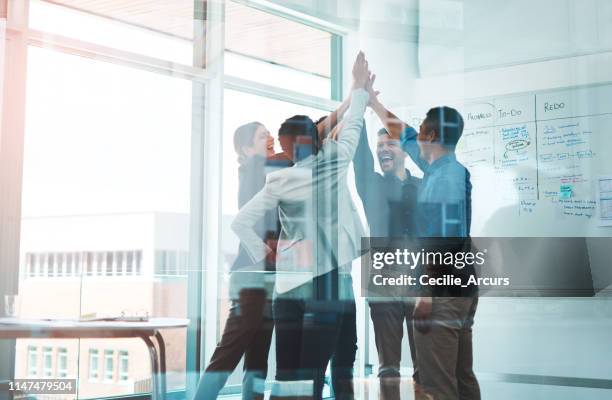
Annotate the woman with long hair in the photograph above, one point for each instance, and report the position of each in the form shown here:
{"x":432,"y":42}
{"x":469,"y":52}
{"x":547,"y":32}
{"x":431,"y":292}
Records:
{"x":248,"y":329}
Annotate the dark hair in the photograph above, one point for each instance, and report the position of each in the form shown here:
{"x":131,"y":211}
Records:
{"x":382,"y":131}
{"x":317,"y":122}
{"x":447,"y":122}
{"x":301,"y":125}
{"x":243,"y":136}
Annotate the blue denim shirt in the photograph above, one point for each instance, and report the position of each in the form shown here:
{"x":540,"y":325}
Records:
{"x":444,"y":199}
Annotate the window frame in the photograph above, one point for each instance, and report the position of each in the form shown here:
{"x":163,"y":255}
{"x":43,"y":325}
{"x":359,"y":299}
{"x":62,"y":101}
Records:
{"x":93,"y":374}
{"x":123,"y":376}
{"x":32,"y":367}
{"x":62,"y":357}
{"x":108,"y":374}
{"x":47,"y":355}
{"x":207,"y":116}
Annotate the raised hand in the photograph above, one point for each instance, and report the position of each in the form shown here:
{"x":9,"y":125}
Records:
{"x":370,"y":89}
{"x":361,"y":75}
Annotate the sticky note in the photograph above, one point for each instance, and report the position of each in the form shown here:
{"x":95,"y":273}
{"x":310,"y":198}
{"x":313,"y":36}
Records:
{"x":565,"y":192}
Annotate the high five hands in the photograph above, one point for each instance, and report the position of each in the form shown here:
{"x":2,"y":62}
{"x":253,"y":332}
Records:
{"x":363,"y":78}
{"x":361,"y":74}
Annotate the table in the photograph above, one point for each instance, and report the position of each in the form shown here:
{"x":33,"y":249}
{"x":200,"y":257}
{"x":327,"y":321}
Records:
{"x":148,"y":331}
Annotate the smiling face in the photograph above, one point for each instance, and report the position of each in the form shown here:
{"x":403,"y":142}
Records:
{"x":390,"y":154}
{"x":263,"y":144}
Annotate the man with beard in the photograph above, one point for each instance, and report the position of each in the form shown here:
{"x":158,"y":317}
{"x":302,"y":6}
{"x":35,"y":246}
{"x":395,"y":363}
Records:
{"x":389,"y":202}
{"x":444,"y":315}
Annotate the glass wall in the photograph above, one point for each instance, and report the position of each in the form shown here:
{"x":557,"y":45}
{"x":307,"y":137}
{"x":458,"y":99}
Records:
{"x":107,"y":172}
{"x":106,"y":179}
{"x":140,"y":119}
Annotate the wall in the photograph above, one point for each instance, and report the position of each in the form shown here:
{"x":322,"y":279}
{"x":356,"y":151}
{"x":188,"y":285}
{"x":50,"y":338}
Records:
{"x":543,"y":337}
{"x":514,"y":338}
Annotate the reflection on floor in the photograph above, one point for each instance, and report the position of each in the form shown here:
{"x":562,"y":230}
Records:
{"x":370,"y":389}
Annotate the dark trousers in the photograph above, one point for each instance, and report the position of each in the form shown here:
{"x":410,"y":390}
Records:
{"x":388,"y":318}
{"x":313,"y":330}
{"x":444,"y":353}
{"x":248,"y":332}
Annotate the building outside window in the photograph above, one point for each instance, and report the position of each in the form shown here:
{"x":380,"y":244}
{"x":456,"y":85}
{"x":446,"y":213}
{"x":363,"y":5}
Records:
{"x":89,"y":263}
{"x":69,"y":268}
{"x":123,"y":366}
{"x":150,"y":108}
{"x":129,"y":267}
{"x":93,"y":365}
{"x":59,"y":259}
{"x":62,"y":362}
{"x":120,"y":260}
{"x":138,"y":261}
{"x":47,"y":362}
{"x":109,"y":365}
{"x":78,"y":259}
{"x":32,"y":361}
{"x":110,"y":264}
{"x":51,"y":264}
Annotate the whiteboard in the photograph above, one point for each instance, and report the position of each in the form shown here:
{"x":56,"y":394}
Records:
{"x":534,"y":159}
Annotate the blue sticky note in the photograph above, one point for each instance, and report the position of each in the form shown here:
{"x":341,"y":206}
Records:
{"x":565,"y":192}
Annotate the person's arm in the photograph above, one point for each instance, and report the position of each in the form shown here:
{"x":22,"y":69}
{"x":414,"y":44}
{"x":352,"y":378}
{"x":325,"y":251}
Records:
{"x":394,"y":126}
{"x":349,"y":137}
{"x":329,"y":123}
{"x":401,"y":131}
{"x":247,"y":218}
{"x":397,"y":129}
{"x":363,"y":165}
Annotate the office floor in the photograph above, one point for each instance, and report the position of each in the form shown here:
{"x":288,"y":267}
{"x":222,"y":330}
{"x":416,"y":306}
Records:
{"x":369,"y":389}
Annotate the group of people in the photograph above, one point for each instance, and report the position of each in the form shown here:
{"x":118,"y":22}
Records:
{"x":300,"y":231}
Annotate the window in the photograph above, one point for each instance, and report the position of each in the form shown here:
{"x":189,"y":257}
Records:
{"x":129,"y":263}
{"x":36,"y":264}
{"x":93,"y":365}
{"x":60,"y":264}
{"x":123,"y":366}
{"x":62,"y":362}
{"x":89,"y":263}
{"x":182,"y":263}
{"x":171,"y":262}
{"x":110,"y":264}
{"x":166,"y":262}
{"x":109,"y":365}
{"x":51,"y":265}
{"x":47,"y":362}
{"x":269,"y":49}
{"x":119,"y":259}
{"x":148,"y":28}
{"x":32,"y":361}
{"x":160,"y":262}
{"x":117,"y":79}
{"x":102,"y":267}
{"x":78,"y":260}
{"x":138,"y":260}
{"x":30,"y":264}
{"x":69,"y":264}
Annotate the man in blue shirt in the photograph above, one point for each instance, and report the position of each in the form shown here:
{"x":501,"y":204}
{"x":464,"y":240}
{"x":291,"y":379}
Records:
{"x":443,"y":320}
